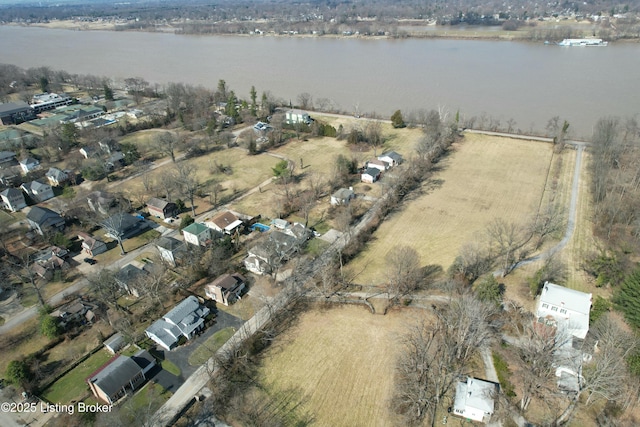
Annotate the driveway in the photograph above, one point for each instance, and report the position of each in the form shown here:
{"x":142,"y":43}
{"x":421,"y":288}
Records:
{"x":180,"y":356}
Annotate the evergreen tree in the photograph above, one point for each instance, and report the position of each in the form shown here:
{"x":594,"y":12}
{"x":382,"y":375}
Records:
{"x":108,"y":92}
{"x":627,"y":299}
{"x":396,"y":120}
{"x":489,"y":290}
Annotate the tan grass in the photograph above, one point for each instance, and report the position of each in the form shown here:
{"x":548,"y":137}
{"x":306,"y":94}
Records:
{"x":341,"y":361}
{"x":483,"y":178}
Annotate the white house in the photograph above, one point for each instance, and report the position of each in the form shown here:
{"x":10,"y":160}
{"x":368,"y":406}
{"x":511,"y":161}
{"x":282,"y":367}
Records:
{"x":13,"y":199}
{"x":197,"y":234}
{"x":185,"y":319}
{"x":378,"y":164}
{"x":564,"y":308}
{"x":475,"y":399}
{"x":370,"y":175}
{"x":297,"y":116}
{"x":342,"y":197}
{"x":29,"y":164}
{"x":38,"y":190}
{"x":88,"y":152}
{"x":56,"y":176}
{"x":391,"y":157}
{"x":170,"y":249}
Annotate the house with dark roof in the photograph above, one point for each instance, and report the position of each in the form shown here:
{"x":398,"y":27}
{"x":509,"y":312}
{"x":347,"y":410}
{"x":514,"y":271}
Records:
{"x":6,"y":157}
{"x":370,"y":175}
{"x":123,"y":226}
{"x":114,"y":343}
{"x":56,"y":176}
{"x":91,"y":245}
{"x":44,"y":220}
{"x":38,"y":190}
{"x":342,"y":196}
{"x":264,"y":257}
{"x":118,"y":377}
{"x":29,"y":164}
{"x":162,"y":208}
{"x":225,"y":223}
{"x":391,"y":157}
{"x":226,"y":289}
{"x":130,"y":278}
{"x":184,"y":320}
{"x":16,"y":113}
{"x":170,"y":249}
{"x":13,"y":199}
{"x":88,"y":152}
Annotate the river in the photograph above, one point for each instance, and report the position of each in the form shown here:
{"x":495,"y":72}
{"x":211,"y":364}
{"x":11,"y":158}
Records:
{"x":526,"y":82}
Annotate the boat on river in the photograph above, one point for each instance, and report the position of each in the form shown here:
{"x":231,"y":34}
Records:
{"x":583,"y":42}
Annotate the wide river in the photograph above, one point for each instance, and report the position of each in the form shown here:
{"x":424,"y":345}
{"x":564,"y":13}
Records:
{"x":526,"y":82}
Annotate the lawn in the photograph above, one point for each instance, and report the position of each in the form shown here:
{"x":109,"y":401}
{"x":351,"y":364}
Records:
{"x":210,"y":346}
{"x":340,"y":362}
{"x":483,"y":178}
{"x":72,"y":386}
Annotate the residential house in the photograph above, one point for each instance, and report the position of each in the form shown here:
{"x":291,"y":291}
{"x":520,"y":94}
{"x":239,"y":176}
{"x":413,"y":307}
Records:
{"x":47,"y":261}
{"x":475,"y":399}
{"x":170,"y":249}
{"x":197,"y":234}
{"x":38,"y":190}
{"x":56,"y":177}
{"x":297,"y":116}
{"x":118,"y":377}
{"x":266,"y":256}
{"x":101,"y":201}
{"x":48,"y":101}
{"x":13,"y":199}
{"x":567,"y":312}
{"x":6,"y":158}
{"x":109,"y":146}
{"x":226,"y":289}
{"x":162,"y":208}
{"x":391,"y":157}
{"x":115,"y":160}
{"x":564,"y":308}
{"x":88,"y":152}
{"x":123,"y":226}
{"x":378,"y":164}
{"x":91,"y":245}
{"x":130,"y":277}
{"x":342,"y":197}
{"x":82,"y":115}
{"x":184,"y":320}
{"x":29,"y":164}
{"x":225,"y":223}
{"x":77,"y":310}
{"x":15,"y":113}
{"x":9,"y":178}
{"x":370,"y":175}
{"x":280,"y":224}
{"x":114,"y":343}
{"x":44,"y":220}
{"x":299,"y":231}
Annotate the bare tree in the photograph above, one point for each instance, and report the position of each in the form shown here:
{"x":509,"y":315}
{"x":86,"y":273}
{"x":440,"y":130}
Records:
{"x":106,"y":288}
{"x":473,"y":261}
{"x":549,"y":221}
{"x":305,"y":100}
{"x":509,"y":241}
{"x":373,"y":135}
{"x":24,"y":268}
{"x":167,"y":182}
{"x":188,"y":182}
{"x":167,"y":144}
{"x":136,"y":86}
{"x":403,"y":272}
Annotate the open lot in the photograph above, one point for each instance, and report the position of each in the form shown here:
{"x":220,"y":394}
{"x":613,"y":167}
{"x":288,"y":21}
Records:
{"x":483,"y":178}
{"x":340,"y":361}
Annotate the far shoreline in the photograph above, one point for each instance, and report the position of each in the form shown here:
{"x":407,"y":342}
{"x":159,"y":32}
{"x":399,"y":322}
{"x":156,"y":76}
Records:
{"x":445,"y":33}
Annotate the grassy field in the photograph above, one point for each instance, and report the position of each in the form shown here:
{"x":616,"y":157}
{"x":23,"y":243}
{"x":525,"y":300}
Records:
{"x":72,"y":386}
{"x":483,"y":178}
{"x":340,"y":361}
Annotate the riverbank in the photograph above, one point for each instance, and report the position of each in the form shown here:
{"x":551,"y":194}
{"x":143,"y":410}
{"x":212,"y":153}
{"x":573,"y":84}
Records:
{"x":414,"y":29}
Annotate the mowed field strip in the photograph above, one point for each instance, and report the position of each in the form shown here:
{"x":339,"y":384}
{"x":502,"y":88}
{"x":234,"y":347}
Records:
{"x":484,"y":177}
{"x":341,"y":361}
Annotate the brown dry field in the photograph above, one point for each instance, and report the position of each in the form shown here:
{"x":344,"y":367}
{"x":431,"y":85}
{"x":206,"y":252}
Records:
{"x":322,"y":357}
{"x":483,"y":178}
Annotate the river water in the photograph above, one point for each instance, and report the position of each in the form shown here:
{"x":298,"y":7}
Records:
{"x":526,"y":82}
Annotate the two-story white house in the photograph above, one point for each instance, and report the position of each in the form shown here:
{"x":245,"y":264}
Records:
{"x":297,"y":116}
{"x":565,"y":308}
{"x":197,"y":234}
{"x":475,"y":399}
{"x":38,"y":190}
{"x":13,"y":199}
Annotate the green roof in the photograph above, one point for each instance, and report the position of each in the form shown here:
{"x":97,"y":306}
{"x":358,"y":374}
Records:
{"x":196,"y":228}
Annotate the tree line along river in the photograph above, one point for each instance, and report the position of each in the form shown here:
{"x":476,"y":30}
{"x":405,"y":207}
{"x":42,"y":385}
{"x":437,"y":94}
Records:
{"x":525,"y":82}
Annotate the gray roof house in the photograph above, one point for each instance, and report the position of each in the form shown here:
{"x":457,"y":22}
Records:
{"x":6,"y":157}
{"x":101,"y":201}
{"x":170,"y":249}
{"x":38,"y":190}
{"x":123,"y":225}
{"x":118,"y":377}
{"x":115,"y":343}
{"x":130,"y":277}
{"x":226,"y":289}
{"x":56,"y":176}
{"x":29,"y":164}
{"x":185,"y":319}
{"x":475,"y":399}
{"x":162,"y":208}
{"x":13,"y":199}
{"x":342,"y":196}
{"x":370,"y":175}
{"x":43,"y":220}
{"x":277,"y":248}
{"x":15,"y":112}
{"x":391,"y":157}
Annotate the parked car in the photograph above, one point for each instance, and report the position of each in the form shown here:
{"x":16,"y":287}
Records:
{"x":90,"y":261}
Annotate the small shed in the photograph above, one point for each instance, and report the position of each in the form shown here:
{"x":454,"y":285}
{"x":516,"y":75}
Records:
{"x":114,"y":343}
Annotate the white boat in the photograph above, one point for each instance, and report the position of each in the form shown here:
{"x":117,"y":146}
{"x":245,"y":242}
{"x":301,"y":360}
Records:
{"x":583,"y":42}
